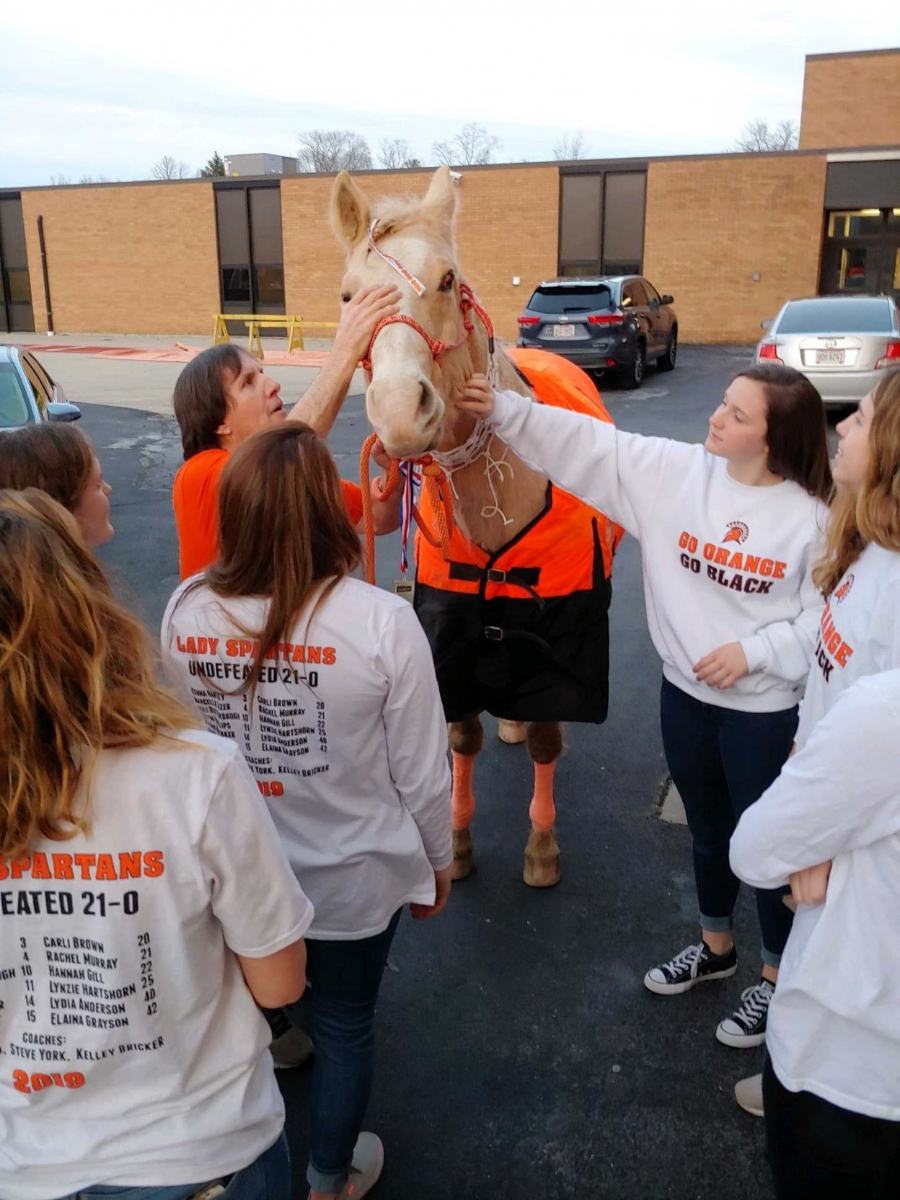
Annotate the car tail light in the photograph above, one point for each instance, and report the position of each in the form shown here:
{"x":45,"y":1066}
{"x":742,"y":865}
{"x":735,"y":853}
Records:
{"x":529,"y":320}
{"x":768,"y":352}
{"x":610,"y":362}
{"x":607,"y":319}
{"x":891,"y":356}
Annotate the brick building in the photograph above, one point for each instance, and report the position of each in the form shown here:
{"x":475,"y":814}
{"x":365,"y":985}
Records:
{"x":731,"y":236}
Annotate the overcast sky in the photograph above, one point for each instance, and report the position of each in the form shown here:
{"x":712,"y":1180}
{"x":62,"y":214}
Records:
{"x":91,"y":88}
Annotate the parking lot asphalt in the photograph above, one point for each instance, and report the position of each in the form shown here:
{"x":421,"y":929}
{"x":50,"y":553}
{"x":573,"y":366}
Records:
{"x":519,"y":1053}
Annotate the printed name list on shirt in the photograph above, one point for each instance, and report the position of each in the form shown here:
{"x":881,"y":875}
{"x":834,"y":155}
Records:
{"x":61,"y":983}
{"x":287,"y":728}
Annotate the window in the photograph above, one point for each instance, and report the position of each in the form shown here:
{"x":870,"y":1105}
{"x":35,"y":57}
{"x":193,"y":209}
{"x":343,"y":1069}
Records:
{"x":638,"y":294}
{"x":235,"y":285}
{"x":853,"y":269}
{"x":836,"y":316}
{"x":896,"y":283}
{"x":570,"y":299}
{"x":270,"y":285}
{"x":652,"y":293}
{"x":623,"y":222}
{"x":40,"y":385}
{"x":14,"y":407}
{"x":18,"y":285}
{"x":580,"y":207}
{"x":855,"y":224}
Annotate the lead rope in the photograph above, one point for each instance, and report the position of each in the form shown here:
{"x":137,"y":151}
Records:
{"x":436,"y":485}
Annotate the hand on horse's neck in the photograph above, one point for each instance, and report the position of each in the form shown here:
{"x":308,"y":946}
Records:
{"x":520,"y":491}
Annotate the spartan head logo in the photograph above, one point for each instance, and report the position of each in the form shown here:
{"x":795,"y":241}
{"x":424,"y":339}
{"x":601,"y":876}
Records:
{"x":737,"y":532}
{"x":844,"y":590}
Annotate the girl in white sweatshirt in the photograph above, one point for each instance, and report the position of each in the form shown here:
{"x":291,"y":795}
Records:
{"x":729,"y":533}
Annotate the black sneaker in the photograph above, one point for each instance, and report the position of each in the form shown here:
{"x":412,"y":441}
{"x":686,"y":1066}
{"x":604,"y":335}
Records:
{"x":695,"y":964}
{"x":747,"y":1026}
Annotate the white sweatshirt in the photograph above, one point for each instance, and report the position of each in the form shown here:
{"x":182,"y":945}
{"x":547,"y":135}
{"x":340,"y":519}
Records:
{"x":834,"y":1022}
{"x":346,"y":738}
{"x":859,"y":633}
{"x":723,"y":562}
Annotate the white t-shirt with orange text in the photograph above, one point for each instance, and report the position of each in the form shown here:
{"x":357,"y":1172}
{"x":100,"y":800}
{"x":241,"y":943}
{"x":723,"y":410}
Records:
{"x":346,"y":737}
{"x":131,"y":1050}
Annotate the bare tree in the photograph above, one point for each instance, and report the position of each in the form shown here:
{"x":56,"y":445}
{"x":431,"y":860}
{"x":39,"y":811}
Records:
{"x":471,"y":146}
{"x":566,"y":148}
{"x":95,"y":179}
{"x":393,"y":154}
{"x":168,"y":168}
{"x":756,"y":136}
{"x":334,"y":150}
{"x":59,"y":180}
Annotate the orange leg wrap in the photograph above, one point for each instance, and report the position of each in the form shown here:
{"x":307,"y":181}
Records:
{"x":463,"y":796}
{"x":543,"y":810}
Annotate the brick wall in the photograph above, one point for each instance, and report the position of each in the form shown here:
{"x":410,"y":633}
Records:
{"x":712,"y":223}
{"x":851,"y":100}
{"x":130,"y":259}
{"x":507,"y":226}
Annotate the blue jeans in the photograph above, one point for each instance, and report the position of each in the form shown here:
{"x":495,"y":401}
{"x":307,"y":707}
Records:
{"x":269,"y":1178}
{"x":344,"y":979}
{"x":722,"y":761}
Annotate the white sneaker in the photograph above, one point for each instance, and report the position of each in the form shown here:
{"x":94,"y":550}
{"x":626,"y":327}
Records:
{"x":366,"y":1168}
{"x":292,"y":1049}
{"x":749,"y":1095}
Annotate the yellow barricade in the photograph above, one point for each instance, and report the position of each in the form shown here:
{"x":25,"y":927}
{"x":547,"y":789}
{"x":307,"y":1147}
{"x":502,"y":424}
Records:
{"x":255,"y":322}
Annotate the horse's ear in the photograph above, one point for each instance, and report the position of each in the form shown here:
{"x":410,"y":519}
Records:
{"x":441,"y":194}
{"x":350,"y":215}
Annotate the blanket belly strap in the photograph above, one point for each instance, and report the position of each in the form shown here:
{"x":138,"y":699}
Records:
{"x":526,"y":578}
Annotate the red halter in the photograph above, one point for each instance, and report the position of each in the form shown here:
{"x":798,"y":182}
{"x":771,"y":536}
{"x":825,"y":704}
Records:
{"x":467,"y":305}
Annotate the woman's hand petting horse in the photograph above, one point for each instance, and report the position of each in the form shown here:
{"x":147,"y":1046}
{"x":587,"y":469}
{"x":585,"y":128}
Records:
{"x":477,"y":397}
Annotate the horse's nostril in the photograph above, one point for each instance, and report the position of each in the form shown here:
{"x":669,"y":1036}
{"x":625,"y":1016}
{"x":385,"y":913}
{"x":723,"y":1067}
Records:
{"x":424,"y":397}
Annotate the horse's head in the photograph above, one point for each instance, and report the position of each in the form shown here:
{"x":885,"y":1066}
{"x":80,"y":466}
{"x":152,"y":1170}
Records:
{"x":410,"y":400}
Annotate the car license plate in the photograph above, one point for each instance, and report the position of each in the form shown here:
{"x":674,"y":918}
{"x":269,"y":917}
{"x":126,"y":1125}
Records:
{"x":829,"y":357}
{"x":562,"y":331}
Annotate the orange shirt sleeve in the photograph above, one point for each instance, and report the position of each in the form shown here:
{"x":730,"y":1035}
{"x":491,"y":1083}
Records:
{"x":352,"y":500}
{"x":195,"y":498}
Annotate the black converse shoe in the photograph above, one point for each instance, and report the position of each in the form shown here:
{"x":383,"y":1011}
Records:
{"x":695,"y":964}
{"x":747,"y":1026}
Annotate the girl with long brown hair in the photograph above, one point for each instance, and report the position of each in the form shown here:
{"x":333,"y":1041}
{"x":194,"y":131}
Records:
{"x":145,"y":899}
{"x":327,"y":684}
{"x":729,"y":532}
{"x":60,"y":461}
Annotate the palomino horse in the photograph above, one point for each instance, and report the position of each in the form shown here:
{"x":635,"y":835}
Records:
{"x":419,"y":363}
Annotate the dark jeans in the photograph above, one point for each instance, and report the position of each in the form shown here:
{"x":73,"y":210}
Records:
{"x":344,"y":979}
{"x":269,"y":1178}
{"x":722,"y":761}
{"x":819,"y":1150}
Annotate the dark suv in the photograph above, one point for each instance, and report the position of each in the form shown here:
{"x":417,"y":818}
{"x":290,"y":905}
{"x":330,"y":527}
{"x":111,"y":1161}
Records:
{"x":611,"y":323}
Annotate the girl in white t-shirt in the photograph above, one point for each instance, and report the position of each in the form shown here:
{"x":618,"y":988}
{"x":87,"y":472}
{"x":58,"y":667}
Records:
{"x":327,"y":685}
{"x":729,"y":532}
{"x":145,"y":904}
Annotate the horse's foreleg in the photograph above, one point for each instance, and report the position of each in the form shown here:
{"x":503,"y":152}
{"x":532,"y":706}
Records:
{"x":542,"y":852}
{"x":466,"y":739}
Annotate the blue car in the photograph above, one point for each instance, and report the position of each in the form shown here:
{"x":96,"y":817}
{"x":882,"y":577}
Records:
{"x":28,"y":394}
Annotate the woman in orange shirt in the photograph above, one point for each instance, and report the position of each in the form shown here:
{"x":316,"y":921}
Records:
{"x":223,"y":397}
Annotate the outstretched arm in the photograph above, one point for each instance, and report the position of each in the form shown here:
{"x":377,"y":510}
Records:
{"x":321,"y":403}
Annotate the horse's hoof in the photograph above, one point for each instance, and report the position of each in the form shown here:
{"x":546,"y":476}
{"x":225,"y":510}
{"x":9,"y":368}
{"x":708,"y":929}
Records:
{"x":462,"y":855}
{"x":541,"y":860}
{"x":511,"y":732}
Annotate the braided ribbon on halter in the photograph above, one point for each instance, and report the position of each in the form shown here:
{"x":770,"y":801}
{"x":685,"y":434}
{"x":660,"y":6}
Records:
{"x":436,"y":481}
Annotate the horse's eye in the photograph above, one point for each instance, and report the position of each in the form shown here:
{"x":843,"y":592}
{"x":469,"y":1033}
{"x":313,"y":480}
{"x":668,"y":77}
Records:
{"x":447,"y":282}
